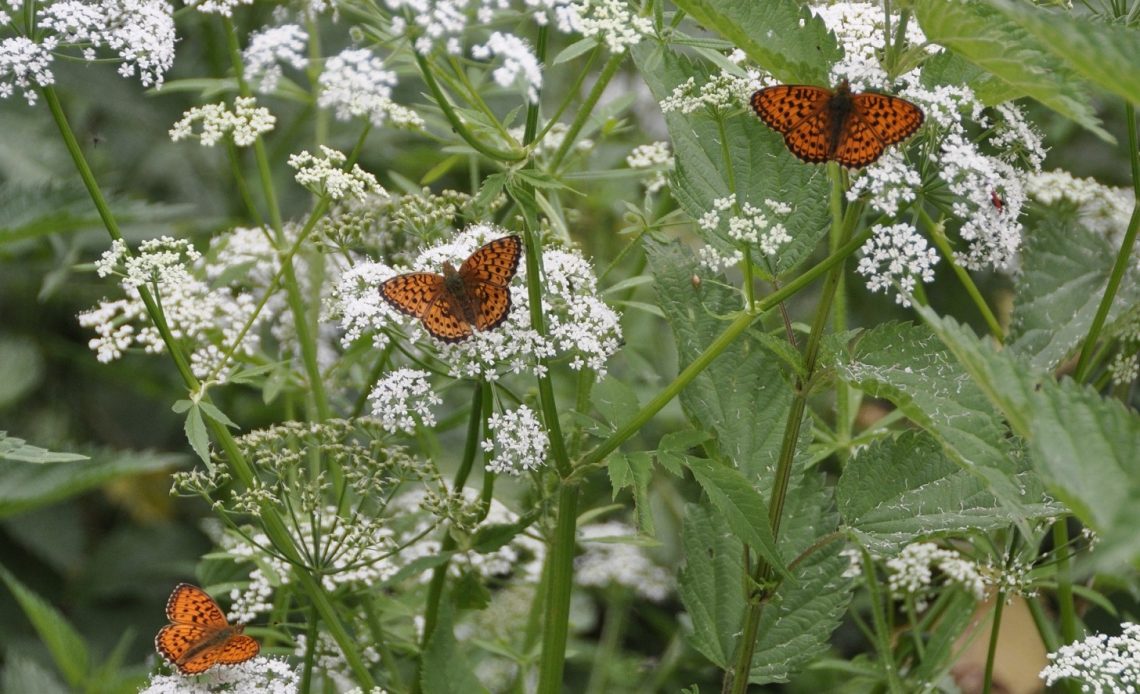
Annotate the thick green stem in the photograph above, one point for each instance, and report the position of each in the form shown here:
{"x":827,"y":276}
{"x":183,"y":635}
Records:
{"x":561,"y":580}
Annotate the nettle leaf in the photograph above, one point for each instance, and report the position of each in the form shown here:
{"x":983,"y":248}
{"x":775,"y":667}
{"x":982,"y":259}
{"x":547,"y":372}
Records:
{"x":1083,"y":445}
{"x":907,"y":365}
{"x":900,"y":489}
{"x":1065,"y":269}
{"x":782,"y":36}
{"x":710,"y":583}
{"x":712,"y":152}
{"x":741,"y":506}
{"x":635,"y":471}
{"x":951,"y":68}
{"x":992,"y":41}
{"x":1106,"y":54}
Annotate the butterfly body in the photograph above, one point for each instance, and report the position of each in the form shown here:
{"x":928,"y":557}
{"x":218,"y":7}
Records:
{"x":199,"y":636}
{"x":453,"y":305}
{"x":822,"y":125}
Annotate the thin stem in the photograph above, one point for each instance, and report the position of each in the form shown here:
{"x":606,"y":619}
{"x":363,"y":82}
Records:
{"x":1064,"y":578}
{"x":310,"y":651}
{"x":532,"y":107}
{"x":587,"y":109}
{"x":613,"y":629}
{"x":938,"y":234}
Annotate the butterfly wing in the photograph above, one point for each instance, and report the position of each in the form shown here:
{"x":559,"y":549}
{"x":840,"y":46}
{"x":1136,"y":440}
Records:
{"x":237,"y":649}
{"x":173,"y":641}
{"x":412,"y":293}
{"x":443,"y":319}
{"x":191,"y":605}
{"x":892,"y":119}
{"x":200,"y":662}
{"x":493,"y":305}
{"x":493,"y":263}
{"x":858,"y":144}
{"x":785,"y":107}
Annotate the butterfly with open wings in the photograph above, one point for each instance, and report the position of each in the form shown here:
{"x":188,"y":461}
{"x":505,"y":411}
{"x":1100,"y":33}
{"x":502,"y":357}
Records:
{"x":199,"y":636}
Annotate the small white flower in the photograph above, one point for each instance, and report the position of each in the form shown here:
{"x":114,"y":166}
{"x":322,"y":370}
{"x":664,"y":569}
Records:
{"x":262,"y":675}
{"x":1100,"y":663}
{"x":244,"y":124}
{"x":224,"y":8}
{"x":911,"y":573}
{"x":518,"y":439}
{"x":613,"y":22}
{"x":355,"y":84}
{"x":324,"y":176}
{"x":519,"y":62}
{"x":896,"y":257}
{"x":607,"y":562}
{"x":755,"y":226}
{"x":723,"y":91}
{"x":268,"y":49}
{"x":654,"y":157}
{"x":403,"y":397}
{"x":1125,"y":368}
{"x":25,"y":65}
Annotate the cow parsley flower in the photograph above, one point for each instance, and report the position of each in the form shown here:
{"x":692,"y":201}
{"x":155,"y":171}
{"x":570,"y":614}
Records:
{"x":519,"y":62}
{"x":519,"y":441}
{"x":225,"y":8}
{"x":723,"y":91}
{"x":355,"y":84}
{"x":911,"y":573}
{"x":896,"y":257}
{"x":402,"y":398}
{"x":25,"y":65}
{"x":655,"y":159}
{"x":612,"y":22}
{"x":261,"y":675}
{"x":1100,"y":663}
{"x":268,"y":49}
{"x":1124,"y":368}
{"x":1102,"y":209}
{"x":581,"y":326}
{"x":609,"y":560}
{"x":139,"y":32}
{"x":755,"y":226}
{"x":244,"y":124}
{"x":325,"y":175}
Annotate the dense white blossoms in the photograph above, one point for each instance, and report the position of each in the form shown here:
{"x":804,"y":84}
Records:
{"x":261,"y":675}
{"x":1102,"y":209}
{"x":355,"y":84}
{"x":609,"y":559}
{"x":1100,"y":663}
{"x":402,"y":399}
{"x":244,"y":124}
{"x":519,"y":62}
{"x":580,"y":325}
{"x":325,"y":176}
{"x":612,"y":22}
{"x":911,"y":573}
{"x":224,"y":8}
{"x":897,"y":257}
{"x":25,"y":65}
{"x":518,"y":440}
{"x":268,"y":49}
{"x":754,"y":226}
{"x":722,"y":91}
{"x":654,"y":158}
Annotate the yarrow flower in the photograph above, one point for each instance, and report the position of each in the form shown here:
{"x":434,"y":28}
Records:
{"x":519,"y":62}
{"x":355,"y":84}
{"x":580,"y":323}
{"x":324,"y":176}
{"x":244,"y":124}
{"x":268,"y":49}
{"x":1100,"y":663}
{"x":261,"y":675}
{"x":655,"y":158}
{"x":911,"y":573}
{"x":896,"y":257}
{"x":519,"y":441}
{"x":610,"y":560}
{"x":402,"y":398}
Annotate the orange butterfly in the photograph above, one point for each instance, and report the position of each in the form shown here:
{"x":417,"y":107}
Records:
{"x":477,"y":295}
{"x":821,"y":125}
{"x":200,"y":637}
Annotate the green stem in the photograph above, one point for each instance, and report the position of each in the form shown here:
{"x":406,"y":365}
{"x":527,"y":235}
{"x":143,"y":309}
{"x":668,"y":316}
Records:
{"x":722,"y":341}
{"x":310,"y":651}
{"x":991,"y":651}
{"x":844,"y":419}
{"x":532,"y":107}
{"x":938,"y":234}
{"x":586,"y":110}
{"x":571,"y":93}
{"x":613,"y":629}
{"x":1065,"y":603}
{"x":558,"y":596}
{"x":882,"y":633}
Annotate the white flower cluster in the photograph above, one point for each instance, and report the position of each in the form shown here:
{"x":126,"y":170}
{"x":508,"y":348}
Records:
{"x":1103,"y":209}
{"x":355,"y":84}
{"x":1100,"y":663}
{"x":580,"y":323}
{"x":912,"y":572}
{"x":1125,"y":368}
{"x":25,"y":65}
{"x":612,"y":22}
{"x":519,"y":441}
{"x":402,"y":398}
{"x":206,"y":318}
{"x":224,"y":8}
{"x":244,"y":124}
{"x":655,"y":158}
{"x":519,"y":62}
{"x":324,"y":176}
{"x":140,"y":32}
{"x":260,"y":675}
{"x":268,"y":49}
{"x":896,"y":256}
{"x":609,"y":560}
{"x":722,"y":91}
{"x":256,"y":599}
{"x":753,"y":227}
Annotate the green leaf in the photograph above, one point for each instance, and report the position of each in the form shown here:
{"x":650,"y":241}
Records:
{"x":21,"y":368}
{"x":710,"y":583}
{"x":445,"y":667}
{"x":66,"y":646}
{"x":900,"y":489}
{"x":615,"y":400}
{"x":1065,"y":270}
{"x":741,"y":506}
{"x":761,"y":167}
{"x":492,"y":536}
{"x":992,"y":41}
{"x":215,"y":414}
{"x":574,"y":50}
{"x":195,"y":428}
{"x":950,"y":68}
{"x":22,"y":674}
{"x":12,"y":448}
{"x":469,"y":593}
{"x":782,"y":36}
{"x":635,"y":471}
{"x":25,"y":486}
{"x":1083,"y":445}
{"x":1105,"y":54}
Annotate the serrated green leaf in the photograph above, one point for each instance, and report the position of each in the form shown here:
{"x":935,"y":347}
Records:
{"x":195,"y":428}
{"x":635,"y":471}
{"x":950,"y":68}
{"x":782,"y":36}
{"x":25,"y":486}
{"x":445,"y":668}
{"x":1083,"y":445}
{"x":1065,"y":270}
{"x":741,"y":505}
{"x":710,"y":583}
{"x":469,"y":593}
{"x":992,"y":41}
{"x":66,"y":646}
{"x":12,"y":448}
{"x":900,"y":489}
{"x":1105,"y":54}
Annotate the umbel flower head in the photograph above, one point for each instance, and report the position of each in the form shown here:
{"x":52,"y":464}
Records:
{"x":580,"y":326}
